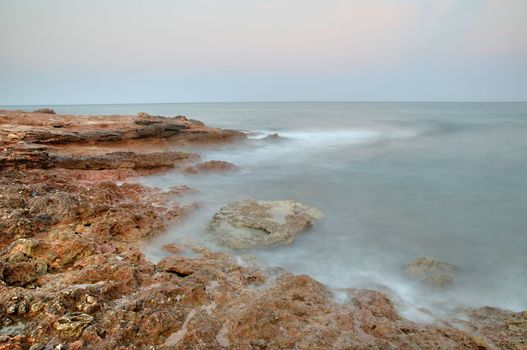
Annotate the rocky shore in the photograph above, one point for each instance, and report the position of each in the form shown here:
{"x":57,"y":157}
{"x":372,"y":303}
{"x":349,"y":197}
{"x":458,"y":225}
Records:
{"x":72,"y":274}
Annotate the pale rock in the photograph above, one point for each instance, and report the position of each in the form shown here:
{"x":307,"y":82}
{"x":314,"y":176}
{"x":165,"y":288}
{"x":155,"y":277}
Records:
{"x":249,"y":223}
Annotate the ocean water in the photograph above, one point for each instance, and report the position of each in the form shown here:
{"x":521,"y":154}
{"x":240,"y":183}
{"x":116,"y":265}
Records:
{"x":395,"y":181}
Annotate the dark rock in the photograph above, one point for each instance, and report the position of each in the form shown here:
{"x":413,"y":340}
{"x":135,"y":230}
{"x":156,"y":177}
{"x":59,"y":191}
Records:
{"x":44,"y":110}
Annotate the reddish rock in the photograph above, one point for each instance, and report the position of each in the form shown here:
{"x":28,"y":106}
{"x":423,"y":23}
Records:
{"x":173,"y":248}
{"x":211,"y":166}
{"x":51,"y":129}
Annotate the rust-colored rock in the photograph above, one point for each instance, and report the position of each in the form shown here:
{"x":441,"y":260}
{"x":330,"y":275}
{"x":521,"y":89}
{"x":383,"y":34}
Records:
{"x":173,"y":248}
{"x":53,"y":129}
{"x":211,"y":166}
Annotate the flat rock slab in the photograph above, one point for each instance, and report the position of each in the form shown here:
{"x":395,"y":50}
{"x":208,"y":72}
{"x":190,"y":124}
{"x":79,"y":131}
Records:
{"x":251,"y":224}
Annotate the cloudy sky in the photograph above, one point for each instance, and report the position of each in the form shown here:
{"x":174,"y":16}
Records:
{"x":119,"y":51}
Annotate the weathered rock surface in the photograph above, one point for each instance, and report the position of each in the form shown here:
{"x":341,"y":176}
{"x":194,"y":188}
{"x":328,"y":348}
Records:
{"x":249,"y":223}
{"x":72,"y":324}
{"x":431,"y":272}
{"x":72,"y":275}
{"x":44,"y":128}
{"x":42,"y":158}
{"x":211,"y":166}
{"x":125,"y":160}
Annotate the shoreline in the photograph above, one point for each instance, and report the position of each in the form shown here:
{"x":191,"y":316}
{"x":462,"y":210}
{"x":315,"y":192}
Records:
{"x":73,"y":273}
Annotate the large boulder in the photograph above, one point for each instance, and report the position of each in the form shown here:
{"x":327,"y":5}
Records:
{"x":431,"y":272}
{"x":249,"y":223}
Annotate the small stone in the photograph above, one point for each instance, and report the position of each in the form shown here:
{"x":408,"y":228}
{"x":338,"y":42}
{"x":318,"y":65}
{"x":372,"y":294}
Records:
{"x":72,"y":324}
{"x":173,"y":248}
{"x":481,"y":343}
{"x":143,"y":115}
{"x":37,"y":346}
{"x":12,"y":310}
{"x":23,"y":308}
{"x":13,"y":137}
{"x":36,"y":307}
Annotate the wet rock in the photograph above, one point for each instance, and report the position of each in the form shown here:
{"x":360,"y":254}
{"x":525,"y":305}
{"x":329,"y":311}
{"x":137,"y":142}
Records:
{"x":211,"y":166}
{"x":72,"y":324}
{"x":273,"y":137}
{"x":431,"y":272}
{"x":125,"y":160}
{"x":173,"y":248}
{"x":250,"y":223}
{"x":44,"y":110}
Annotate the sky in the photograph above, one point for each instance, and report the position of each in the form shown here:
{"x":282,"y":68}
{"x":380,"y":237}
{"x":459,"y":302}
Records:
{"x":133,"y":51}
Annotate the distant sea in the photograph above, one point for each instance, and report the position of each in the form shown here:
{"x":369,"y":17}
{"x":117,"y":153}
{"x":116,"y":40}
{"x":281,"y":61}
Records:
{"x":396,"y":181}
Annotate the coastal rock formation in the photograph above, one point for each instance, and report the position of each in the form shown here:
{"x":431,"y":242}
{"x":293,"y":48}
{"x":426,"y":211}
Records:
{"x":431,"y":272}
{"x":72,"y":275}
{"x":249,"y":223}
{"x":44,"y":110}
{"x":42,"y":158}
{"x":273,"y":137}
{"x":125,"y":160}
{"x":211,"y":166}
{"x":51,"y":129}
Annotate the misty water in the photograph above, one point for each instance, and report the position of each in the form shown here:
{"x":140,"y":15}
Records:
{"x":395,"y":181}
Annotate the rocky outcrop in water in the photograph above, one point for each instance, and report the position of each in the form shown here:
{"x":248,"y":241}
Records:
{"x":42,"y":158}
{"x":211,"y":166}
{"x":72,"y":275}
{"x":249,"y":223}
{"x":431,"y":272}
{"x":44,"y":128}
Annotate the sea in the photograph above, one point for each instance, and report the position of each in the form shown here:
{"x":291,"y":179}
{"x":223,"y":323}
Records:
{"x":395,"y":181}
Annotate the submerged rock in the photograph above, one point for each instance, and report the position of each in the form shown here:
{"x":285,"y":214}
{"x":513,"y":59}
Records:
{"x":211,"y":166}
{"x":431,"y":272}
{"x":249,"y":223}
{"x":273,"y":137}
{"x":173,"y":248}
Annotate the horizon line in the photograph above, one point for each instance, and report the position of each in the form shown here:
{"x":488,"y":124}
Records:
{"x":263,"y":101}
